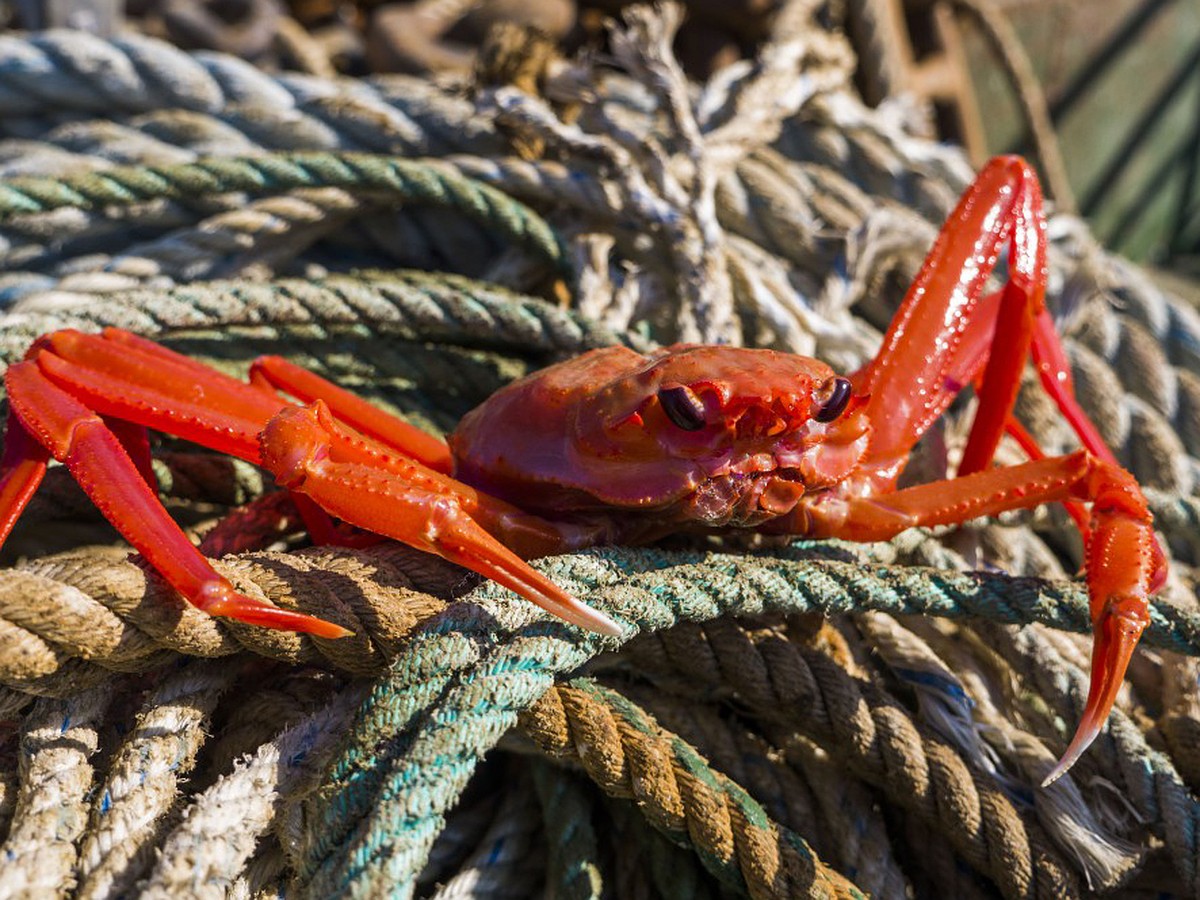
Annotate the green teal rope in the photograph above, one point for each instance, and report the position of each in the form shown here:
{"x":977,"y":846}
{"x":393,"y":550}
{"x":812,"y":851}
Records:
{"x":466,"y":674}
{"x":688,"y":759}
{"x":573,"y":872}
{"x":402,"y":179}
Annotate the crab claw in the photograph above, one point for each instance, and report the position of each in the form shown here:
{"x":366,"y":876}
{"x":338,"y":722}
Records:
{"x":1117,"y":630}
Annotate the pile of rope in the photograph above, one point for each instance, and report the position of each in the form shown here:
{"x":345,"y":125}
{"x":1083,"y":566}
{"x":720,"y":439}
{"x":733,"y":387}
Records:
{"x":821,"y":719}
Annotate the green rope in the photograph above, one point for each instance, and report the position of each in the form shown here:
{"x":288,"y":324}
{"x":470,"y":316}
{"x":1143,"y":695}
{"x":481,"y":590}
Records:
{"x":571,"y":842}
{"x":406,"y":180}
{"x":468,"y":672}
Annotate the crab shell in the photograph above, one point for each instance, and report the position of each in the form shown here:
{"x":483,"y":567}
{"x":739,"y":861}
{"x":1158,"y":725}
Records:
{"x":593,"y":433}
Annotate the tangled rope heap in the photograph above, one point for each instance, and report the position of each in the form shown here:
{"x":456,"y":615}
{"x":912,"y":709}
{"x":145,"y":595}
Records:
{"x":768,"y":750}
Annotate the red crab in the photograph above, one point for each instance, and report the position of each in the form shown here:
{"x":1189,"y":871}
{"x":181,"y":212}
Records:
{"x":617,"y":446}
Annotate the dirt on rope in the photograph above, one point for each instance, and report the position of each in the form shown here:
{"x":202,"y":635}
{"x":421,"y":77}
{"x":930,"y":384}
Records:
{"x":818,"y":719}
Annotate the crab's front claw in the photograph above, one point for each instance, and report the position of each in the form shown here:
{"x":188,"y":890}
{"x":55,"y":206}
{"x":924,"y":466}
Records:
{"x":1125,"y":566}
{"x":1116,"y":635}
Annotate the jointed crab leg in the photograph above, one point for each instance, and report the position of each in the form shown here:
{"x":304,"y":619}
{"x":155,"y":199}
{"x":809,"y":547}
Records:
{"x":353,"y":410}
{"x":300,"y":446}
{"x":68,"y":378}
{"x":947,"y":334}
{"x":78,"y":438}
{"x":1124,"y":562}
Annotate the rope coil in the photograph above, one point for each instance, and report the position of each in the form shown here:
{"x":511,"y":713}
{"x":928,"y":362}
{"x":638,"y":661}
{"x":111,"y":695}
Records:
{"x":345,"y":788}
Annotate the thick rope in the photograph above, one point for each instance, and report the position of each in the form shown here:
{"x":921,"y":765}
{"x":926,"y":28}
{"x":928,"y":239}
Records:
{"x":131,"y":809}
{"x":1144,"y":776}
{"x":120,"y":619}
{"x":811,"y":795}
{"x":211,"y":846}
{"x":845,"y":158}
{"x":630,"y":756}
{"x":786,"y":686}
{"x":222,"y":97}
{"x":397,"y":305}
{"x":401,"y":179}
{"x":384,"y":792}
{"x":58,"y":739}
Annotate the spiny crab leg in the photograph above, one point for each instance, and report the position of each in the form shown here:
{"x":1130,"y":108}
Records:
{"x":78,"y":438}
{"x":1125,"y":564}
{"x":947,"y":334}
{"x":69,"y":381}
{"x":300,"y":446}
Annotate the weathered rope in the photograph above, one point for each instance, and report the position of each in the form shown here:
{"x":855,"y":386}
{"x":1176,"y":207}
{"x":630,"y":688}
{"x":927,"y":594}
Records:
{"x":134,"y":802}
{"x":384,"y":792}
{"x":215,"y":97}
{"x":510,"y":858}
{"x":401,"y":179}
{"x":785,"y":687}
{"x":811,"y":795}
{"x":210,"y":847}
{"x":573,"y":848}
{"x":808,"y":233}
{"x":120,"y":619}
{"x":628,"y":755}
{"x":1145,"y":777}
{"x":396,"y":305}
{"x":964,"y":717}
{"x":58,"y":739}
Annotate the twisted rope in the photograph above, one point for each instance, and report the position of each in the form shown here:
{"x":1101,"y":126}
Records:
{"x":846,"y":242}
{"x":58,"y":739}
{"x":786,"y":686}
{"x":108,"y":615}
{"x":397,"y":305}
{"x":811,"y":795}
{"x":61,"y":72}
{"x":401,"y":179}
{"x":628,"y":755}
{"x":133,"y":804}
{"x":385,"y":792}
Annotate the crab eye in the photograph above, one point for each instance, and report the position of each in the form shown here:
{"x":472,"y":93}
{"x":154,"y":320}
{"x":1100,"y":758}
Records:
{"x":682,"y":407}
{"x":834,"y":395}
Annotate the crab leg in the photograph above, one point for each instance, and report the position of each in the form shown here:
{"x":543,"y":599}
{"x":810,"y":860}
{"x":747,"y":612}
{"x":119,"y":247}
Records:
{"x":78,"y":438}
{"x":921,"y":365}
{"x":947,"y":334}
{"x":354,"y":411}
{"x":1124,"y":561}
{"x":302,"y":448}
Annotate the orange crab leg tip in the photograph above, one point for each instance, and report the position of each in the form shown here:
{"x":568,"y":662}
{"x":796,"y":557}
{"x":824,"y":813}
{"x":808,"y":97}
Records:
{"x":579,"y":613}
{"x":232,"y":605}
{"x":1117,"y":633}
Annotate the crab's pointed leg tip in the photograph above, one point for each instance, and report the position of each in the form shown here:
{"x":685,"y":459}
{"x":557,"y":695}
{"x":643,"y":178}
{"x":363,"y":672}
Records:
{"x":579,"y":613}
{"x":1084,"y":736}
{"x":605,"y":625}
{"x":331,"y":631}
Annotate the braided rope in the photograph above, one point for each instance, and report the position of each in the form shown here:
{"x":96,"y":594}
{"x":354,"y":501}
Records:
{"x":401,"y":179}
{"x":573,"y":845}
{"x":131,"y":808}
{"x":628,"y":755}
{"x":121,"y":620}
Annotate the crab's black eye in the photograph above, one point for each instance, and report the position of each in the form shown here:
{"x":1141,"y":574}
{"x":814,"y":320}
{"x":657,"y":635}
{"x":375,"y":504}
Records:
{"x":835,"y":394}
{"x":682,"y":407}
